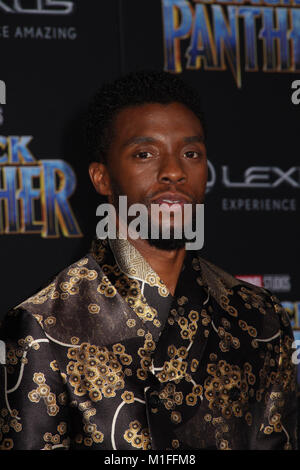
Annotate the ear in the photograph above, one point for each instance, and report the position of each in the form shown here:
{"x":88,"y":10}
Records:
{"x":100,"y":178}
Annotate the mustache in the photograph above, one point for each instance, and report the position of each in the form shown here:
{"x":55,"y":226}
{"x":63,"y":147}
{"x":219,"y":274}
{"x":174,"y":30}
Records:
{"x":146,"y":199}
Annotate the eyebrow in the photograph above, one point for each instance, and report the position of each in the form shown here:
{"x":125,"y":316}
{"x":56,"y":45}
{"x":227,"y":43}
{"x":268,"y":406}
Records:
{"x":194,"y":138}
{"x":139,"y":140}
{"x":151,"y":140}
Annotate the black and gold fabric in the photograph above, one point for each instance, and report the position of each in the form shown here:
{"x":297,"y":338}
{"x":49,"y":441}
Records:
{"x":106,"y":358}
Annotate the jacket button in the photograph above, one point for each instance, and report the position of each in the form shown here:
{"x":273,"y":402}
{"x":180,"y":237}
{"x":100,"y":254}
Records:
{"x":154,"y":401}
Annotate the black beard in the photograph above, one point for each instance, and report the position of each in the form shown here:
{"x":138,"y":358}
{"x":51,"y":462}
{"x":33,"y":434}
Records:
{"x":171,"y":243}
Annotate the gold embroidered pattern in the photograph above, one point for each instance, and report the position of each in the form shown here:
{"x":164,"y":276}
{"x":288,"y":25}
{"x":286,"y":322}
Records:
{"x":54,"y":440}
{"x":170,"y":397}
{"x":138,"y":437}
{"x":96,"y":370}
{"x":145,"y":354}
{"x":131,"y":292}
{"x":43,"y":391}
{"x":224,"y":378}
{"x":8,"y":421}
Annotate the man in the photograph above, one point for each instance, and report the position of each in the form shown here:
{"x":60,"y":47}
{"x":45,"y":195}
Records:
{"x":143,"y":344}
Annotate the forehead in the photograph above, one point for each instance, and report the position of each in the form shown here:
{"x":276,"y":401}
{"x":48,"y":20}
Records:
{"x":174,"y":119}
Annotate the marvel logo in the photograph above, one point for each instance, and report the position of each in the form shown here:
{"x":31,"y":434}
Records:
{"x":278,"y":282}
{"x":272,"y":282}
{"x":257,"y":280}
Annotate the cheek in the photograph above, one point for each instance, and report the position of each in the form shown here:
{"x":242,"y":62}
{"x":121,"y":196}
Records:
{"x":199,"y":179}
{"x":139,"y":180}
{"x":200,"y":174}
{"x":130,"y":184}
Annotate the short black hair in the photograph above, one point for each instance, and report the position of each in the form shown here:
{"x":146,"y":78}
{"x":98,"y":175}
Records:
{"x":134,"y":89}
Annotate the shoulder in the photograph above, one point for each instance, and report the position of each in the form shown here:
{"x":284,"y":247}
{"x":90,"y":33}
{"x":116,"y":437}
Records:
{"x":64,"y":287}
{"x":247,"y":303}
{"x":61,"y":307}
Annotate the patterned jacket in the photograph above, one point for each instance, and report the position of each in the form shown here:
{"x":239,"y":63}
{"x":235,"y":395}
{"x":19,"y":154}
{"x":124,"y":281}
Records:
{"x":106,"y":358}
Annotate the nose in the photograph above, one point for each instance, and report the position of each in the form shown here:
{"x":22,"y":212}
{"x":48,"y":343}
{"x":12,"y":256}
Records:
{"x":171,"y":170}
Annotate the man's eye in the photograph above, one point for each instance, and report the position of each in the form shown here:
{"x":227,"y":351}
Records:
{"x":192,"y":154}
{"x":142,"y":155}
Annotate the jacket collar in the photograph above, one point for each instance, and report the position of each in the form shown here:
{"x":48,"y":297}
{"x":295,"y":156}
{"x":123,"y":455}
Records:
{"x":134,"y":265}
{"x":130,"y":261}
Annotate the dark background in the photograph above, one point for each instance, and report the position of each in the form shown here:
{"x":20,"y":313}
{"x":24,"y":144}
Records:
{"x":49,"y":84}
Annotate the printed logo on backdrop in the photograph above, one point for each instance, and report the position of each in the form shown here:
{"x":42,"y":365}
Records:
{"x":215,"y":35}
{"x":37,"y":7}
{"x":34,"y":194}
{"x":43,"y":8}
{"x":274,"y":282}
{"x":255,"y":178}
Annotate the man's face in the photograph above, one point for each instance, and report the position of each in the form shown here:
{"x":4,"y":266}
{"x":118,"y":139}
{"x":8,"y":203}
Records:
{"x":157,"y":155}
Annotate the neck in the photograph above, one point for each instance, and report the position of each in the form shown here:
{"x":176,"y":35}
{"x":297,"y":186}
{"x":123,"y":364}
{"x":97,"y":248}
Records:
{"x":167,"y":264}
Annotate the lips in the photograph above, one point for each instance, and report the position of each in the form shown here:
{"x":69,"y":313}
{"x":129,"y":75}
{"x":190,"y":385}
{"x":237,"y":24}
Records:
{"x":171,"y":199}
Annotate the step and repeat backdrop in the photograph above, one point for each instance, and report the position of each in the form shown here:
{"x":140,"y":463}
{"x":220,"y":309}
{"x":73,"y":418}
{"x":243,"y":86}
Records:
{"x":242,"y":56}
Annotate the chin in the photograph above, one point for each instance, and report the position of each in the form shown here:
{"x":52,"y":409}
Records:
{"x":171,"y":243}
